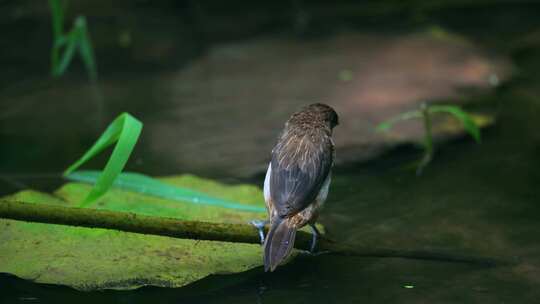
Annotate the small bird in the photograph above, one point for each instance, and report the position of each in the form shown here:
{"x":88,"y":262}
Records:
{"x":297,"y":179}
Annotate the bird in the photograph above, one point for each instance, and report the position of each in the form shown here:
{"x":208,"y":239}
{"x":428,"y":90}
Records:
{"x":297,"y":180}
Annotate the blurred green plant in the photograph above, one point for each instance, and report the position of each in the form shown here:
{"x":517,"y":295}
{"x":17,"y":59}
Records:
{"x":66,"y":44}
{"x":124,"y":131}
{"x":425,"y":112}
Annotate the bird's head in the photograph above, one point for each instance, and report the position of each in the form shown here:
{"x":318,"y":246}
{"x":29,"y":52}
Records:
{"x":317,"y":115}
{"x":324,"y":113}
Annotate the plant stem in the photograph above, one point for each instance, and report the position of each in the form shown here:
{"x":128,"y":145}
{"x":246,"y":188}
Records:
{"x":57,"y":21}
{"x":428,"y":139}
{"x":57,"y":13}
{"x":240,"y":233}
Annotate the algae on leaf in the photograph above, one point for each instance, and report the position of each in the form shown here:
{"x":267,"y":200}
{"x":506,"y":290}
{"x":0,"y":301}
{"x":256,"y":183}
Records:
{"x":92,"y":258}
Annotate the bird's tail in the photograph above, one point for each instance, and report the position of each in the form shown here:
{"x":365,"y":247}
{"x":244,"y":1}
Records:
{"x":279,"y":243}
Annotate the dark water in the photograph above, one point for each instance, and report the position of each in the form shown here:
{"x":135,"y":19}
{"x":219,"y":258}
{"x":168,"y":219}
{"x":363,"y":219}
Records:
{"x":473,"y":199}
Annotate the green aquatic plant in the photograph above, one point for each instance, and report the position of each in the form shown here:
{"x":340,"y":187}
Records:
{"x":124,"y":131}
{"x":77,"y":39}
{"x":425,"y":112}
{"x":140,"y":183}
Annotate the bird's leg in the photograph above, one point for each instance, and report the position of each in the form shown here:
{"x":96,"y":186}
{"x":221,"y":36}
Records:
{"x":259,"y":225}
{"x":315,"y":235}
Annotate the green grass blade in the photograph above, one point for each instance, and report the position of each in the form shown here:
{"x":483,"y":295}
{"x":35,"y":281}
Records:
{"x":67,"y":56}
{"x":388,"y":124}
{"x":141,"y":183}
{"x":58,"y":43}
{"x":468,"y":123}
{"x":124,"y":130}
{"x":85,"y":48}
{"x":77,"y":39}
{"x":57,"y":13}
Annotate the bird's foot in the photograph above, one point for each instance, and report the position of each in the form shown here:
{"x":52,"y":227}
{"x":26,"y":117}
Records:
{"x":259,"y":225}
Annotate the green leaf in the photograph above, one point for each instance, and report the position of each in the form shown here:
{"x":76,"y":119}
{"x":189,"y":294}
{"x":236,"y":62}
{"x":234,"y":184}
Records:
{"x":76,"y":39}
{"x":58,"y":43}
{"x":57,"y":13}
{"x":67,"y":56}
{"x":90,"y":258}
{"x":59,"y":39}
{"x":388,"y":124}
{"x":143,"y":184}
{"x":124,"y":130}
{"x":85,"y":47}
{"x":468,"y":123}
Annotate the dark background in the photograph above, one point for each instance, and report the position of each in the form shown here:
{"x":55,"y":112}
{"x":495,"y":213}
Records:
{"x":214,"y":81}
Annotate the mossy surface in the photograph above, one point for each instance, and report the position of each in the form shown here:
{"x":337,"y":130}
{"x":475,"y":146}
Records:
{"x":87,"y":258}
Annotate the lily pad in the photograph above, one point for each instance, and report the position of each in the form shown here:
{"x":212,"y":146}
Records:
{"x":93,"y":258}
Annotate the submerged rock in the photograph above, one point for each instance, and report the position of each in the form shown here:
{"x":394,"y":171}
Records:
{"x":225,"y":110}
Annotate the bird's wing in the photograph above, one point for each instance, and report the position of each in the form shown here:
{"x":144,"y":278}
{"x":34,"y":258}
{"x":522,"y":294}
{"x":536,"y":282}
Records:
{"x":299,"y":168}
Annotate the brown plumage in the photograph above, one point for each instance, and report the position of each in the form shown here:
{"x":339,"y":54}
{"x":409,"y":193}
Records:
{"x":298,"y":177}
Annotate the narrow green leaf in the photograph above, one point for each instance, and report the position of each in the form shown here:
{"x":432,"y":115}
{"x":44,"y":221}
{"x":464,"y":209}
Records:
{"x":77,"y":39}
{"x":58,"y":43}
{"x":141,"y":183}
{"x":57,"y":13}
{"x":67,"y":56}
{"x":468,"y":123}
{"x":85,"y":48}
{"x":124,"y":130}
{"x":388,"y":124}
{"x":59,"y":39}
